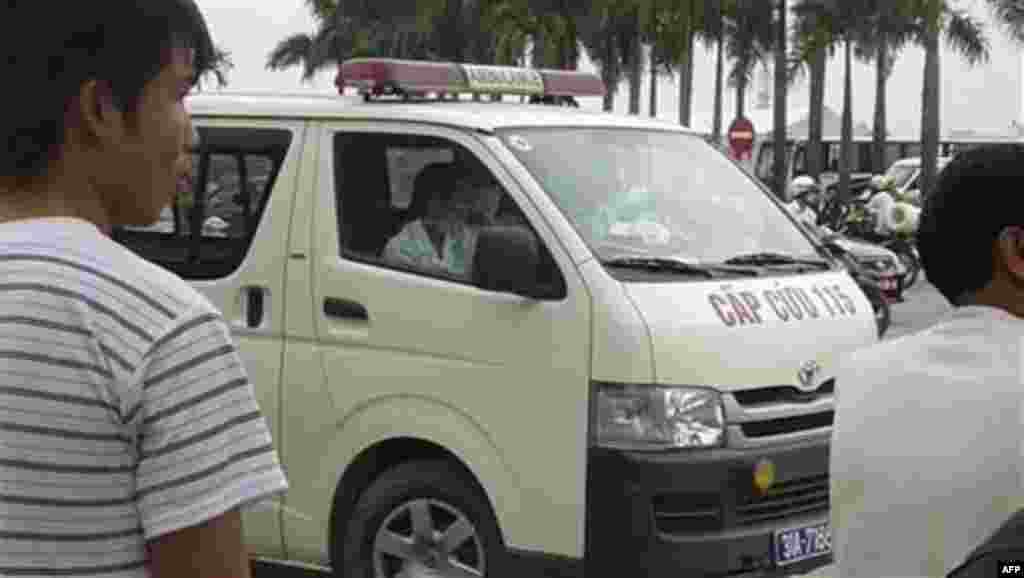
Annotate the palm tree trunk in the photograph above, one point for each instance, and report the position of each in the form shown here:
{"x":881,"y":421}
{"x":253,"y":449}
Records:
{"x":716,"y":124}
{"x":846,"y":147}
{"x":453,"y":42}
{"x":881,"y":78}
{"x":741,"y":97}
{"x":819,"y":62}
{"x":930,"y":110}
{"x":779,"y":157}
{"x":570,"y":47}
{"x":686,"y":81}
{"x":537,"y":52}
{"x":610,"y":72}
{"x":653,"y":102}
{"x":635,"y":74}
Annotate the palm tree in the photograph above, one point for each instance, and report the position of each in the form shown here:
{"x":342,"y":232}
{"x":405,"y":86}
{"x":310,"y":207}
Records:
{"x":554,"y":28}
{"x":713,"y":35}
{"x":510,"y":23}
{"x":630,"y":37}
{"x":599,"y":38}
{"x":1010,"y":14}
{"x":825,"y":22}
{"x":814,"y":40}
{"x":880,"y":40}
{"x":781,"y":69}
{"x":609,"y":32}
{"x":846,"y":146}
{"x":429,"y":29}
{"x":671,"y":27}
{"x":219,"y":66}
{"x":348,"y":30}
{"x":693,"y":21}
{"x":654,"y":24}
{"x":935,"y":19}
{"x":689,"y":20}
{"x":749,"y":40}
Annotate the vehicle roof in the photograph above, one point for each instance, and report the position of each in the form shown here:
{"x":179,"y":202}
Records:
{"x":486,"y":116}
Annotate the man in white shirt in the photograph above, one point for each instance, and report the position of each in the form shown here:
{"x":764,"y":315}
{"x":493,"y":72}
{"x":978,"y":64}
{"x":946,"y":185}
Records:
{"x":926,"y":452}
{"x":130,"y":435}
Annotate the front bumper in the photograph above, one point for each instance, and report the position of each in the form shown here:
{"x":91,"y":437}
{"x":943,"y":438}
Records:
{"x":698,"y":513}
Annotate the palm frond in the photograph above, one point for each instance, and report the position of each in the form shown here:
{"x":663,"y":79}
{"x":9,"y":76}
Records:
{"x":1010,"y":16}
{"x":323,"y":10}
{"x":291,"y":51}
{"x":967,"y":36}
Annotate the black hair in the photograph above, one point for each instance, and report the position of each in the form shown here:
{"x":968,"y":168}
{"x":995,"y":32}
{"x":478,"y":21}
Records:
{"x":50,"y":51}
{"x":975,"y":197}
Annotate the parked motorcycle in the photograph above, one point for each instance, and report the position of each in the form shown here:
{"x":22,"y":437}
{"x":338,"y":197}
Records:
{"x":877,"y":216}
{"x":876,"y":270}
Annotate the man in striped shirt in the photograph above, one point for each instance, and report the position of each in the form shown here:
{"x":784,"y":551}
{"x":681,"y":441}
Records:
{"x":129,"y":432}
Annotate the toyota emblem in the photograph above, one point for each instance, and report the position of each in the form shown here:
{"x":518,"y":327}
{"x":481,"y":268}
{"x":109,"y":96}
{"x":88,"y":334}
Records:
{"x":808,"y":375}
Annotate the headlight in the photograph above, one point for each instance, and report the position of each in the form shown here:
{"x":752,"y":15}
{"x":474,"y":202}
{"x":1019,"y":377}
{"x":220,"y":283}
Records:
{"x":643,"y":417}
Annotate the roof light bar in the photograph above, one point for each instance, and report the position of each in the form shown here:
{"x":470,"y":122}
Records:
{"x":377,"y":76}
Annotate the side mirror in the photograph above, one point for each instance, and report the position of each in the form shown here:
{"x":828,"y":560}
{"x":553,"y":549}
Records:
{"x":507,"y":260}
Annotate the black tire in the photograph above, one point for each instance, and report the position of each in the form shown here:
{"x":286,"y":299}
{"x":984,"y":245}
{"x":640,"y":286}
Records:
{"x":881,"y":308}
{"x":391,"y":498}
{"x":908,"y":258}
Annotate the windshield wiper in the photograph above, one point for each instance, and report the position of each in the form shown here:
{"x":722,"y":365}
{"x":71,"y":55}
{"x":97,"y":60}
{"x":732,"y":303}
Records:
{"x":769,"y":259}
{"x":675,"y":266}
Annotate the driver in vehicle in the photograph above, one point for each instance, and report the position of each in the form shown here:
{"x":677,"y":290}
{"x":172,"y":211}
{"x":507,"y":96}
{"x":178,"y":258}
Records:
{"x":444,"y":239}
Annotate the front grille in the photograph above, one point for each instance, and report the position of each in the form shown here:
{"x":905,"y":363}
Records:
{"x":787,"y":499}
{"x":782,"y":394}
{"x":786,"y":425}
{"x":687,"y":513}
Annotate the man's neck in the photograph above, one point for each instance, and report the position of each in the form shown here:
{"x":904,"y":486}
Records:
{"x":997,"y":299}
{"x":50,"y":203}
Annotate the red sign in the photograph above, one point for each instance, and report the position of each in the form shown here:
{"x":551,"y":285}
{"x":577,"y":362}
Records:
{"x":741,"y":138}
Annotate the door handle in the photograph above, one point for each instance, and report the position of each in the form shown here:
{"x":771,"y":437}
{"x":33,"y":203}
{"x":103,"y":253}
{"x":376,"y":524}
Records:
{"x":254,"y":306}
{"x":345,"y":309}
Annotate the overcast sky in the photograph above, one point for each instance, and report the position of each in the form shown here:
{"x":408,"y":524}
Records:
{"x":249,"y":30}
{"x":987,"y":97}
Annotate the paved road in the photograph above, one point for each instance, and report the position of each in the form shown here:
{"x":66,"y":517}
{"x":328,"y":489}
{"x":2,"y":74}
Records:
{"x":922,"y":306}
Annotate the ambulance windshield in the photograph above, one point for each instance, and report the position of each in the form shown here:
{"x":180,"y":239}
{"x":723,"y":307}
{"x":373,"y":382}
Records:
{"x":649,"y":193}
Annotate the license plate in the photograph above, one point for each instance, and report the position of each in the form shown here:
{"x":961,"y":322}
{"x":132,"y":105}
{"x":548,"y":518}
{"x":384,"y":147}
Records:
{"x":799,"y":544}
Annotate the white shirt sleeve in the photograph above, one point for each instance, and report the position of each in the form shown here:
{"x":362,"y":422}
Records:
{"x":204,"y":447}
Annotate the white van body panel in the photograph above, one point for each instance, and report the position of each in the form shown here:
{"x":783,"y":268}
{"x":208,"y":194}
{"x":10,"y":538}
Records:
{"x":748,"y":333}
{"x":456,"y":366}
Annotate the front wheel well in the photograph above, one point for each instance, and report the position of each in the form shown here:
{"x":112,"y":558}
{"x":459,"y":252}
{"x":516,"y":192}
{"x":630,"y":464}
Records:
{"x":374,"y":461}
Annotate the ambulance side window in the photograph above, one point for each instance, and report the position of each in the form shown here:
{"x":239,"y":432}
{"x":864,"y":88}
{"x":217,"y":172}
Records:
{"x":385,"y":184}
{"x":206,"y":232}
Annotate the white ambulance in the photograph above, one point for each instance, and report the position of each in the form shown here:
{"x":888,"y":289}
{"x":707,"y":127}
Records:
{"x":627,"y":369}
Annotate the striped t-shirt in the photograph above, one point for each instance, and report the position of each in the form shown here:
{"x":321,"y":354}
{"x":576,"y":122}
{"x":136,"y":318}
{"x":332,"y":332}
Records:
{"x":125,"y":412}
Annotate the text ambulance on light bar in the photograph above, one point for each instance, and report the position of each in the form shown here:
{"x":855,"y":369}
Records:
{"x":386,"y":76}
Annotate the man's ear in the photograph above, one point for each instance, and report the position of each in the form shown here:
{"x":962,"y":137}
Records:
{"x":1010,"y":252}
{"x":100,"y":118}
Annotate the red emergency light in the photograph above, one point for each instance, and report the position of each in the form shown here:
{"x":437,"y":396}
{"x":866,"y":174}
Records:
{"x":378,"y":76}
